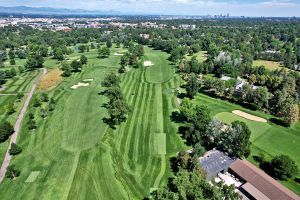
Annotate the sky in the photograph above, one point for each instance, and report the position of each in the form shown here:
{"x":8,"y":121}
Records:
{"x":254,"y":8}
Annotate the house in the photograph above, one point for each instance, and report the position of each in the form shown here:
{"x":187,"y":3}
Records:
{"x":257,"y":184}
{"x":214,"y":162}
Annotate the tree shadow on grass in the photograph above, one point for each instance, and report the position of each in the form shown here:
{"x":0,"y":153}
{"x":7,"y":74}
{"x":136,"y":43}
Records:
{"x":279,"y":122}
{"x":297,"y":180}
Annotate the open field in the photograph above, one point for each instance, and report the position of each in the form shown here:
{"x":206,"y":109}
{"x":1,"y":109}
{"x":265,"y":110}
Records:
{"x":268,"y":138}
{"x":270,"y":65}
{"x":201,"y":56}
{"x":79,"y":157}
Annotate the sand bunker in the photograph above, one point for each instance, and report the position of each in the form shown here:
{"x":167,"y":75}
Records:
{"x":118,"y":54}
{"x":249,"y":116}
{"x":80,"y":85}
{"x":88,"y":80}
{"x":148,"y":63}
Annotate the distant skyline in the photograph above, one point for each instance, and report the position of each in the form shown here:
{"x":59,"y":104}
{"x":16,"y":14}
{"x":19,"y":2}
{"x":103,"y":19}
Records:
{"x":254,"y":8}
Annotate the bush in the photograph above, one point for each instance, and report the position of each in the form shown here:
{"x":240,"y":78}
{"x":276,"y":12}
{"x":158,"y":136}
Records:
{"x":15,"y":149}
{"x":12,"y":172}
{"x":6,"y":129}
{"x":32,"y":124}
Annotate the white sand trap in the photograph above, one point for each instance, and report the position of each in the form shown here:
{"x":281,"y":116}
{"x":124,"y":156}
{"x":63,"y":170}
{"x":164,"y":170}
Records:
{"x":33,"y":175}
{"x":118,"y":54}
{"x":249,"y":116}
{"x":88,"y":80}
{"x":80,"y":85}
{"x":148,"y":63}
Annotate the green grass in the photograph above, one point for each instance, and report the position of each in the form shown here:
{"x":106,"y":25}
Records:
{"x":201,"y":56}
{"x":270,"y":65}
{"x":18,"y":84}
{"x":268,"y":138}
{"x":79,"y":157}
{"x":158,"y":73}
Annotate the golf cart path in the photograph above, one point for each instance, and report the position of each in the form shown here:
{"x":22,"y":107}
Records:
{"x":17,"y":126}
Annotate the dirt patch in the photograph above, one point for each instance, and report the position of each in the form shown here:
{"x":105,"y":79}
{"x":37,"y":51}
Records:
{"x":148,"y":63}
{"x":50,"y":80}
{"x":248,"y":116}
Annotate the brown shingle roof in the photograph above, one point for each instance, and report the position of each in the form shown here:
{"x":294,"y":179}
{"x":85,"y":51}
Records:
{"x":261,"y":181}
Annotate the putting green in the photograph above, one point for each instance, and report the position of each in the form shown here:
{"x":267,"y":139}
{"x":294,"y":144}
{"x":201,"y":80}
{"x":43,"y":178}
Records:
{"x":257,"y":128}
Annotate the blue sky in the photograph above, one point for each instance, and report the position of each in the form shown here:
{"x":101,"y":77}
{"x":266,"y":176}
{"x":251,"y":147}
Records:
{"x":278,"y":8}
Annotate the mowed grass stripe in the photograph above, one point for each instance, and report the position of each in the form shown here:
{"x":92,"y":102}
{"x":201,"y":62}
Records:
{"x":133,"y":153}
{"x":143,"y":141}
{"x":148,"y":141}
{"x":139,"y":129}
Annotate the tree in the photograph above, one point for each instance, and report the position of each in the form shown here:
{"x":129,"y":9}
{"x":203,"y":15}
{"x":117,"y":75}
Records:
{"x":76,"y":65}
{"x":12,"y":61}
{"x":283,"y":167}
{"x":31,"y":124}
{"x":103,"y":52}
{"x":110,"y":80}
{"x":81,"y":48}
{"x":290,"y":112}
{"x":66,"y":68}
{"x":34,"y":61}
{"x":108,"y":43}
{"x":14,"y":149}
{"x":44,"y":97}
{"x":192,"y":185}
{"x":6,"y":129}
{"x":83,"y":59}
{"x":51,"y":104}
{"x":260,"y":98}
{"x":117,"y":111}
{"x":37,"y":102}
{"x":58,"y":54}
{"x":192,"y":86}
{"x":12,"y":172}
{"x":236,"y":140}
{"x":10,"y":109}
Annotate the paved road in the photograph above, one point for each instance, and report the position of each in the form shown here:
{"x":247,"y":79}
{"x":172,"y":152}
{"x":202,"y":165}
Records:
{"x":17,"y":127}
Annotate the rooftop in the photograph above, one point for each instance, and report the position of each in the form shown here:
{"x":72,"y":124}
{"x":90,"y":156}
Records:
{"x":215,"y":161}
{"x":259,"y":183}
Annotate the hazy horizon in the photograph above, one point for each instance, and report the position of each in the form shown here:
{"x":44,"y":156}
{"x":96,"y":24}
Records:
{"x":256,"y":8}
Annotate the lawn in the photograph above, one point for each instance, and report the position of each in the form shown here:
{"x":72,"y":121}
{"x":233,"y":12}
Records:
{"x":201,"y":56}
{"x":79,"y":157}
{"x":268,"y":138}
{"x":270,"y":65}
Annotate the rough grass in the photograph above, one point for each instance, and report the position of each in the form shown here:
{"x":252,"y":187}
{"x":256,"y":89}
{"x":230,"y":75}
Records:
{"x":50,"y":80}
{"x":270,"y":65}
{"x":267,"y":138}
{"x":79,"y":157}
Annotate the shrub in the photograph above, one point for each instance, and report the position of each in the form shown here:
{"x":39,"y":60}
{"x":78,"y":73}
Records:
{"x":15,"y":149}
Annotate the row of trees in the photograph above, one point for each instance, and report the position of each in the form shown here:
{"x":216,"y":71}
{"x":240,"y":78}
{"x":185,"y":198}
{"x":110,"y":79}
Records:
{"x":117,"y":107}
{"x":281,"y":103}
